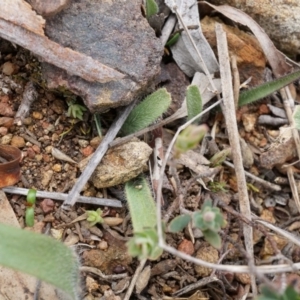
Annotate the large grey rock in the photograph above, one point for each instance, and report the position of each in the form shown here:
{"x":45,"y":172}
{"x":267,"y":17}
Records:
{"x":116,"y":34}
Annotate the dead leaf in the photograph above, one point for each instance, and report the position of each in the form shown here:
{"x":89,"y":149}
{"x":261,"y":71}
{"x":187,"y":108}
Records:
{"x":183,"y":51}
{"x":10,"y":171}
{"x":143,"y":279}
{"x":276,"y":59}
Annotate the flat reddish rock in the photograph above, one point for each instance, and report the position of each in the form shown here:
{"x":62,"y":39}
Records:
{"x":117,"y":35}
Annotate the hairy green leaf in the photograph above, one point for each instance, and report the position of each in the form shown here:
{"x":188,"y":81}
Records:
{"x":213,"y":238}
{"x":141,"y":204}
{"x":267,"y":88}
{"x":147,"y":111}
{"x":179,"y":223}
{"x":193,"y":102}
{"x":40,"y":256}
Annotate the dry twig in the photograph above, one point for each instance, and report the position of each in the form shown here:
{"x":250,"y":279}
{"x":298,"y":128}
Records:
{"x":97,"y":156}
{"x":228,"y":108}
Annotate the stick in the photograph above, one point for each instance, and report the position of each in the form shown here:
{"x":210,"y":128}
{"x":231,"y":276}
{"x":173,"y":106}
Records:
{"x":63,"y":197}
{"x":97,"y":156}
{"x":228,"y":108}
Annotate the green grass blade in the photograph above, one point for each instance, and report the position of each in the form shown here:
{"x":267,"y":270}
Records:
{"x":147,"y":111}
{"x":141,"y":204}
{"x":40,"y":256}
{"x":193,"y":102}
{"x":267,"y":88}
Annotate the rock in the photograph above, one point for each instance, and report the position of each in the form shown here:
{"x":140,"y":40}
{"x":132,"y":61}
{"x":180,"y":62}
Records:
{"x":17,"y":141}
{"x":120,"y":164}
{"x":117,"y":35}
{"x":278,"y":18}
{"x":9,"y":68}
{"x":48,"y":8}
{"x":250,"y":58}
{"x":208,"y":253}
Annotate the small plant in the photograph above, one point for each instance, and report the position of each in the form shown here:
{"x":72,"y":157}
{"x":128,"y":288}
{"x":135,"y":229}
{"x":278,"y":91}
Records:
{"x":217,"y":186}
{"x":147,"y":111}
{"x":144,"y":243}
{"x":288,"y":294}
{"x":209,"y":220}
{"x":193,"y":102}
{"x":189,"y":138}
{"x":94,"y":217}
{"x":75,"y":110}
{"x":40,"y":256}
{"x":30,"y":204}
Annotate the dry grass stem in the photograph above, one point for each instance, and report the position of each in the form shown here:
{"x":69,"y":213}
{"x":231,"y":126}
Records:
{"x":228,"y":109}
{"x":264,"y":183}
{"x":134,"y":279}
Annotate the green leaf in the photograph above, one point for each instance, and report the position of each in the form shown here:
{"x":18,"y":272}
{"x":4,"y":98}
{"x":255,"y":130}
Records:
{"x":141,"y":204}
{"x":173,"y":39}
{"x":179,"y":223}
{"x":147,"y":111}
{"x":29,"y":216}
{"x":267,"y":88}
{"x":193,"y":102}
{"x":189,"y":138}
{"x":268,"y":294}
{"x":213,"y":238}
{"x":296,"y":116}
{"x":144,"y":245}
{"x":40,"y":256}
{"x":290,"y":294}
{"x":220,"y":157}
{"x":151,"y":8}
{"x":31,"y":196}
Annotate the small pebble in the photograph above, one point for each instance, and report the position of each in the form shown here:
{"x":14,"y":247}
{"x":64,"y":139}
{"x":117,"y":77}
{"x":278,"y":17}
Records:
{"x":103,"y":245}
{"x":27,"y":121}
{"x":87,"y":151}
{"x":17,"y":141}
{"x":83,"y":143}
{"x":37,"y":115}
{"x":57,"y":168}
{"x":8,"y":68}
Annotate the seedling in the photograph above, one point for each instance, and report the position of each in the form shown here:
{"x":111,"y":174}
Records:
{"x":217,"y":186}
{"x":189,"y":138}
{"x":209,"y":220}
{"x":30,"y":204}
{"x":147,"y":111}
{"x":144,"y":243}
{"x":75,"y":110}
{"x":193,"y":102}
{"x":94,"y":217}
